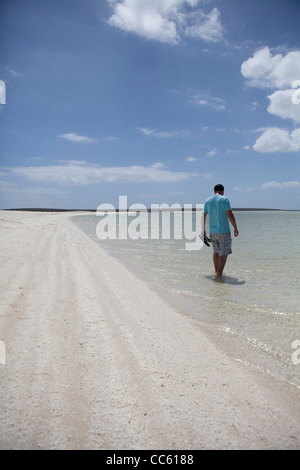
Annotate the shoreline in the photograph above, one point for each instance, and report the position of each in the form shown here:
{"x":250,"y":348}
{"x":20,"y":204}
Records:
{"x":170,"y":209}
{"x":97,"y":360}
{"x":240,"y":344}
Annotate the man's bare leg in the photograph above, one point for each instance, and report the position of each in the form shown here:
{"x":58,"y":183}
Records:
{"x":219,"y":263}
{"x":216,"y":261}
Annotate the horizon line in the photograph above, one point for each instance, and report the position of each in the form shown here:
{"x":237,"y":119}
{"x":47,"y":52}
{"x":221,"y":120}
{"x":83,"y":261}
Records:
{"x":37,"y":209}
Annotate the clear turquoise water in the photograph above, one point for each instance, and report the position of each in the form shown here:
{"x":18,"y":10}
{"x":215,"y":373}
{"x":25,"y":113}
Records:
{"x":256,"y":308}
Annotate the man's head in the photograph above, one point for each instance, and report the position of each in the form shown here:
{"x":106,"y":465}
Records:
{"x":219,"y":189}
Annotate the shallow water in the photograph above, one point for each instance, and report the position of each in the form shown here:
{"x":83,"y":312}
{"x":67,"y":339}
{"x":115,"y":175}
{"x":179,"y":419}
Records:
{"x":257,"y":303}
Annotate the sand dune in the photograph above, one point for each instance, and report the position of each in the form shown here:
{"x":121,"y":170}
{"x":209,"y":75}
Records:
{"x":95,"y":359}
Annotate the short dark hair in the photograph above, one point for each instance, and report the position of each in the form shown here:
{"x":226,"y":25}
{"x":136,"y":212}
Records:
{"x":218,"y":187}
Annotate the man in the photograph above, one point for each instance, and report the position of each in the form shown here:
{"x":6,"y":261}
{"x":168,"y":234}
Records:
{"x":219,"y":212}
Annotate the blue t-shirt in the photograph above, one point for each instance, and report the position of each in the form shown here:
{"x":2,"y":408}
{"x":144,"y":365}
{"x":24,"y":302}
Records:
{"x":216,"y":207}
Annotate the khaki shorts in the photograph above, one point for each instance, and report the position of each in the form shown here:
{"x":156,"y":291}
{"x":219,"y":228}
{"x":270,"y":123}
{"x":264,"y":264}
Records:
{"x":221,"y":243}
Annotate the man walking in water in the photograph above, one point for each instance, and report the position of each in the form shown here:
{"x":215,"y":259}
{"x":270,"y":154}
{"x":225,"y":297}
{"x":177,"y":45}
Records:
{"x":219,"y":212}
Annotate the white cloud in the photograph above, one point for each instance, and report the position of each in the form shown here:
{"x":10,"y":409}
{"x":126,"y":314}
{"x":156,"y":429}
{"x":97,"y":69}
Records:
{"x":281,"y":105}
{"x":278,"y":140}
{"x":165,"y":20}
{"x":279,"y":71}
{"x":191,"y":159}
{"x":156,"y":133}
{"x":146,"y":18}
{"x":79,"y":174}
{"x":205,"y":26}
{"x":276,"y":185}
{"x":163,"y":134}
{"x":206,"y":99}
{"x":82,"y":139}
{"x":266,"y":71}
{"x":211,"y":153}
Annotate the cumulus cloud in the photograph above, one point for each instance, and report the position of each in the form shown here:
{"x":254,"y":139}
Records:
{"x":276,"y":185}
{"x":278,"y":140}
{"x":281,"y":104}
{"x":146,"y":18}
{"x":266,"y":71}
{"x":166,"y":20}
{"x":280,"y":72}
{"x":86,"y":174}
{"x":82,"y":139}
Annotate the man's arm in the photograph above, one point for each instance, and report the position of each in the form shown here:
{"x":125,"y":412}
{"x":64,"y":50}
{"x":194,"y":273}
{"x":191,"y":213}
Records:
{"x":233,"y":222}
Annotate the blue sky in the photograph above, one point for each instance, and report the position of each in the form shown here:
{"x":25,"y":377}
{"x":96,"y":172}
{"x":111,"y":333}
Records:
{"x":154,"y":99}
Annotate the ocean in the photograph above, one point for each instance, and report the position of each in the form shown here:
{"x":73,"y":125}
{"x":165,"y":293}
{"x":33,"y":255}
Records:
{"x":254,"y":311}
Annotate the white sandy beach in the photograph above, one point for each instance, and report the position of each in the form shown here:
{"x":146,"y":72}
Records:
{"x":95,"y":359}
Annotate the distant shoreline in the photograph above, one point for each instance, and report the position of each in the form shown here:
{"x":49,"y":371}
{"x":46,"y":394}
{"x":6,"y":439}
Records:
{"x":142,"y":210}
